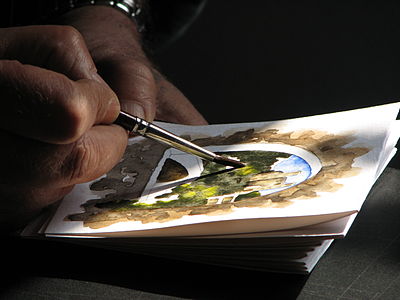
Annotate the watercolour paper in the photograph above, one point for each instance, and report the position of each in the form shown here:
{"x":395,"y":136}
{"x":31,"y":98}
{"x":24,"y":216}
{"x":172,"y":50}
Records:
{"x":299,"y":172}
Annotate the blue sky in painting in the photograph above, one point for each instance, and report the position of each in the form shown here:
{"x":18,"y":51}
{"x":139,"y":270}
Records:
{"x":293,"y":163}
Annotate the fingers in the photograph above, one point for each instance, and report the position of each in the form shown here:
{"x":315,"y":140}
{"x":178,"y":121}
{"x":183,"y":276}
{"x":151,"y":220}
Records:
{"x":134,"y":84}
{"x":57,"y":48}
{"x":49,"y":86}
{"x":59,"y":166}
{"x":34,"y":179}
{"x":47,"y":106}
{"x":53,"y":121}
{"x":145,"y":93}
{"x":95,"y":153}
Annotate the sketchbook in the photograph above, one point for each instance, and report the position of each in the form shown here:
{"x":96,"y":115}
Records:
{"x":304,"y":181}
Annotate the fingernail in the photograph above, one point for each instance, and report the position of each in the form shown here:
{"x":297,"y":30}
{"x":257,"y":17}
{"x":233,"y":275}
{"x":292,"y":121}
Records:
{"x":134,"y":109}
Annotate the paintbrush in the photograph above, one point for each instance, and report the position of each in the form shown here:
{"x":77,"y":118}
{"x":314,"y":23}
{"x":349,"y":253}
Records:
{"x":137,"y":125}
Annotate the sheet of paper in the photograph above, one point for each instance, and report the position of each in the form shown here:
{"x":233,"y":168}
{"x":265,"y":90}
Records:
{"x":300,"y":172}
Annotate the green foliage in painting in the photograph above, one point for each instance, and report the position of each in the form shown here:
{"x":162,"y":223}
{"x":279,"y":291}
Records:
{"x":197,"y":192}
{"x":248,"y":196}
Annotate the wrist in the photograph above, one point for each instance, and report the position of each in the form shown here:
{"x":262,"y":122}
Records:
{"x":106,"y":30}
{"x":134,"y":9}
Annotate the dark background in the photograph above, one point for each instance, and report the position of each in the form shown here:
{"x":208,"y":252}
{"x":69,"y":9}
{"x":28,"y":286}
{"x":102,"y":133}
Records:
{"x":268,"y":60}
{"x":255,"y":61}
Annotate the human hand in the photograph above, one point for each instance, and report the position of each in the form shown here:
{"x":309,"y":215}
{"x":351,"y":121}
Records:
{"x":116,"y":49}
{"x":55,"y":120}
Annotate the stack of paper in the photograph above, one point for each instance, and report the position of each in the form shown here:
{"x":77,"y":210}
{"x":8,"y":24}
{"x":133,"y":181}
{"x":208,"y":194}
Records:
{"x":304,"y":181}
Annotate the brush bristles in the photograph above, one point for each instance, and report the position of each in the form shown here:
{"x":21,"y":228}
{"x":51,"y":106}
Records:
{"x":228,"y":162}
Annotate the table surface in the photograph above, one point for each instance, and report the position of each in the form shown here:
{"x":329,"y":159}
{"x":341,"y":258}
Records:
{"x":364,"y":265}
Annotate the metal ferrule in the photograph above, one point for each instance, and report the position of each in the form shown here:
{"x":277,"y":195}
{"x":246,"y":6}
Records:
{"x":156,"y":133}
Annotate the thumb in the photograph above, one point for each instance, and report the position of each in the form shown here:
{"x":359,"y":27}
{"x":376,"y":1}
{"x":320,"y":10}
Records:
{"x":134,"y":84}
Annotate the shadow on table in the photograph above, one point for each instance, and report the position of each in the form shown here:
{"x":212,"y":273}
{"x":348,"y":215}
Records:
{"x":33,"y":263}
{"x":366,"y":263}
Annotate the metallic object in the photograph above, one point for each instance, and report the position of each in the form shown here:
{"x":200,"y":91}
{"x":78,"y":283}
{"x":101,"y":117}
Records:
{"x":132,"y":8}
{"x":137,"y":125}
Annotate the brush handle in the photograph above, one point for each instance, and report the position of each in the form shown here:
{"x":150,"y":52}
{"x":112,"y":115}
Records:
{"x":137,"y":125}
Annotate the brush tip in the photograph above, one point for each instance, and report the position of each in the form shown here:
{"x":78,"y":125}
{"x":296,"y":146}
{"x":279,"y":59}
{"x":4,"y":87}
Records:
{"x":228,"y":162}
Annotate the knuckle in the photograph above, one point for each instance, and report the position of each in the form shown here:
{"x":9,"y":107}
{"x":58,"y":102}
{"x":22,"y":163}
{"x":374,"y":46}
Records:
{"x":64,"y":38}
{"x":73,"y":124}
{"x":71,"y":117}
{"x":76,"y":165}
{"x":67,"y":53}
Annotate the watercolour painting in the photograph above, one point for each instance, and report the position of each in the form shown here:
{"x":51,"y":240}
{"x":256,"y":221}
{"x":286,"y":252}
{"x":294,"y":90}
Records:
{"x":294,"y":168}
{"x":185,"y":183}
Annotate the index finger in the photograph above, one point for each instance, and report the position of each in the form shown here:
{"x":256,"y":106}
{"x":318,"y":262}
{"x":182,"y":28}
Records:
{"x":54,"y":47}
{"x":47,"y":106}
